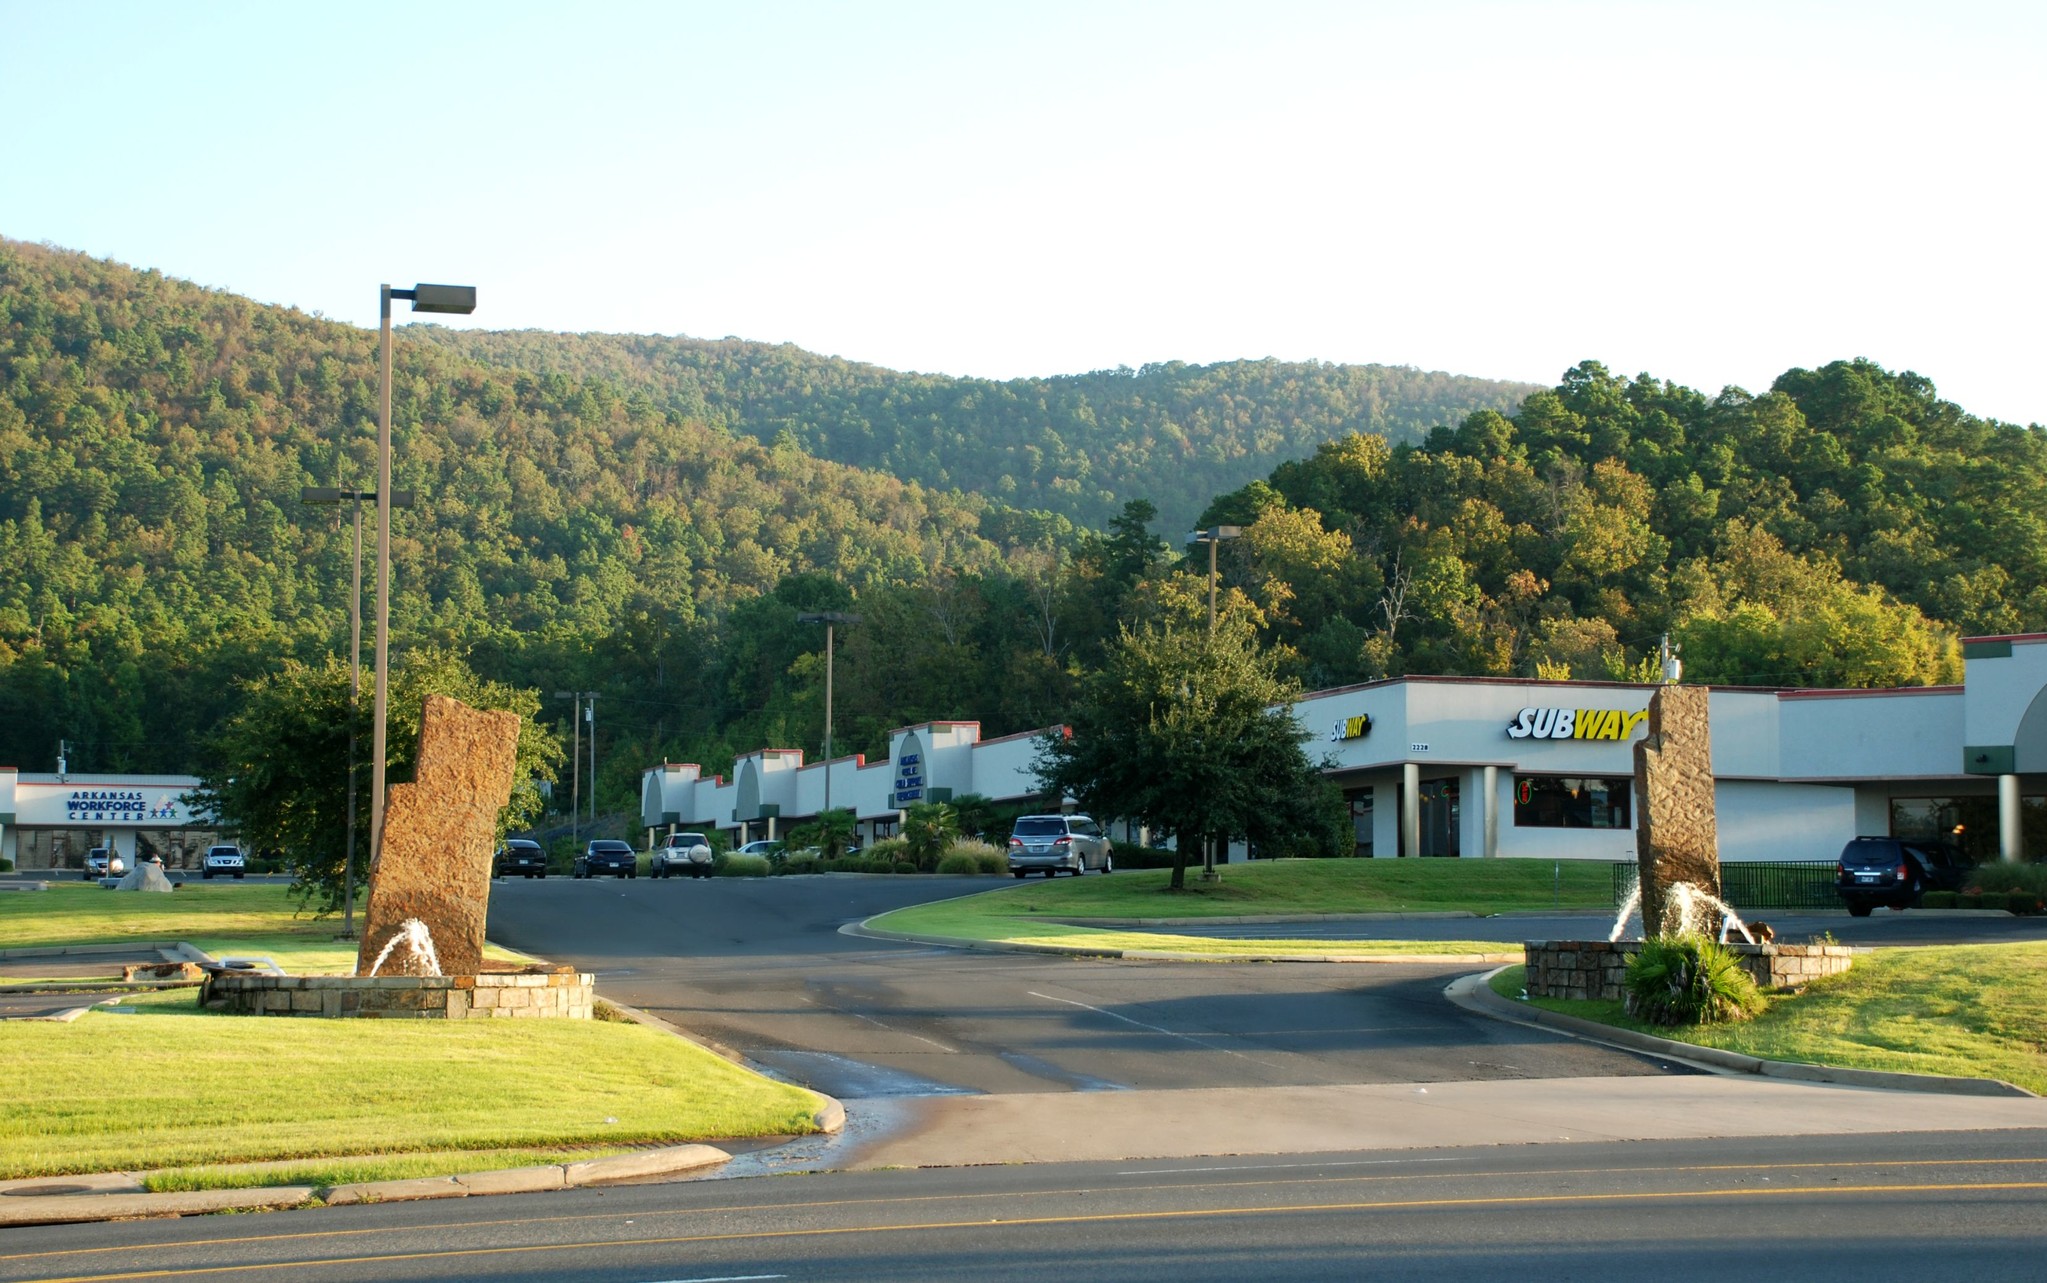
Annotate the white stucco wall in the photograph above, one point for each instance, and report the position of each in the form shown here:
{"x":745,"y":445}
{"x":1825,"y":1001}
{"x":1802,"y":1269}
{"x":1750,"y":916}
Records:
{"x":1865,"y":734}
{"x":1766,"y":821}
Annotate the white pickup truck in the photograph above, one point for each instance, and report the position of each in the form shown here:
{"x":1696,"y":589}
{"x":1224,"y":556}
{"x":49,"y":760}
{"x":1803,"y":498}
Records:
{"x":681,"y":855}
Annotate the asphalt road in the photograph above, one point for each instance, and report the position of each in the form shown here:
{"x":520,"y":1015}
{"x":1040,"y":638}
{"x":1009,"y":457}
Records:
{"x":1820,"y":1209}
{"x":758,"y":967}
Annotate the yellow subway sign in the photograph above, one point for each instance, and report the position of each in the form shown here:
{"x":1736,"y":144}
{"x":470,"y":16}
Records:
{"x":1576,"y":724}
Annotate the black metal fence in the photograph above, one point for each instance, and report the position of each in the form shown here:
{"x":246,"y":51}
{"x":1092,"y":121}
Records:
{"x":1747,"y":885}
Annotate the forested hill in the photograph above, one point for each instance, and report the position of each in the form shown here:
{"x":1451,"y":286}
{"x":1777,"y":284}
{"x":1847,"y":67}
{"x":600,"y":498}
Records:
{"x":154,"y":439}
{"x":1081,"y":445}
{"x":1842,"y":528}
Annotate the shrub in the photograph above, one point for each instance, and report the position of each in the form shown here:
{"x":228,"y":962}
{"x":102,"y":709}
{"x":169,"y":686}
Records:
{"x":1992,"y":879}
{"x":1129,"y":855}
{"x":6,"y":865}
{"x":797,"y":862}
{"x":972,"y":856}
{"x":890,"y":849}
{"x":1938,"y":900}
{"x":876,"y":864}
{"x":928,"y":829}
{"x":730,"y":865}
{"x":2022,"y":902}
{"x":1689,"y":980}
{"x":904,"y":866}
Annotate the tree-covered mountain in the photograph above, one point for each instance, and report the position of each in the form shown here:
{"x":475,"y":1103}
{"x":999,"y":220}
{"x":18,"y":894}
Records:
{"x":154,"y":439}
{"x":1082,"y":445}
{"x":597,"y":515}
{"x":1842,"y":528}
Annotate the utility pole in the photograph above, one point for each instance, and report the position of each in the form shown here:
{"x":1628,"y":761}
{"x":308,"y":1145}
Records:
{"x":590,"y":716}
{"x":575,"y":763}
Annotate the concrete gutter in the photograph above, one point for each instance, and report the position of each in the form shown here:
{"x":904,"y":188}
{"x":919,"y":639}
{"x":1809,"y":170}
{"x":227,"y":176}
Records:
{"x":1475,"y":994}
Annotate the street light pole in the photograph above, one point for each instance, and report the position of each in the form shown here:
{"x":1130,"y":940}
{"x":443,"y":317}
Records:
{"x":1213,"y":537}
{"x":828,"y":618}
{"x":458,"y":300}
{"x":322,"y":495}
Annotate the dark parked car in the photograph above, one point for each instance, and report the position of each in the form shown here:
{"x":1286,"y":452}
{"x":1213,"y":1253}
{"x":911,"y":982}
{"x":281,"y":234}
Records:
{"x":522,"y":856}
{"x":1894,"y":871}
{"x":607,"y":855}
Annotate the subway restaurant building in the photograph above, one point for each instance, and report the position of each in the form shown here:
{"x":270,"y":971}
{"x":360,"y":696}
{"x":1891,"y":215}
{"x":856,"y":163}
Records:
{"x":1502,"y":767}
{"x":1499,"y":767}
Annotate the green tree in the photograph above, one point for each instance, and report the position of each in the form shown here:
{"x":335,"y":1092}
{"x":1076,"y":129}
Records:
{"x":831,"y":832}
{"x":276,"y":772}
{"x":1187,"y":732}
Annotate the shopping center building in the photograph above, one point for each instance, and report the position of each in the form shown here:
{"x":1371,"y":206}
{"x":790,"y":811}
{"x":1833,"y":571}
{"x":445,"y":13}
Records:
{"x":51,"y":821}
{"x":1448,"y":766}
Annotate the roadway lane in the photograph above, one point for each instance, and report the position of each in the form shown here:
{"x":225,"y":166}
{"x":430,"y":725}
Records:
{"x":757,"y":967}
{"x":1857,"y":1209}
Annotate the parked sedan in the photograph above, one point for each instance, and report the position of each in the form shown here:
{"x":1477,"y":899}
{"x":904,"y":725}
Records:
{"x":522,"y":856}
{"x":607,"y":855}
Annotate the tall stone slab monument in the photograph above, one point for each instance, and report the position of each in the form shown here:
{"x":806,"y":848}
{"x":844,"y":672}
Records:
{"x":1676,"y":836}
{"x":432,"y":865}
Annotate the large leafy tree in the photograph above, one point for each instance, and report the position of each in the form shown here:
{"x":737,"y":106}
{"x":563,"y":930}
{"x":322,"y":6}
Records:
{"x":1188,"y":732}
{"x":276,"y":773}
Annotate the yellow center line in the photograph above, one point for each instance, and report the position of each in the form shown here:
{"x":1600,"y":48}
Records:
{"x":1103,"y":1218}
{"x":1013,"y":1196}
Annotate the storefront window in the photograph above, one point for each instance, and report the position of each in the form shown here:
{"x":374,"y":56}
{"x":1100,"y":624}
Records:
{"x":1970,"y":822}
{"x":1573,"y":802}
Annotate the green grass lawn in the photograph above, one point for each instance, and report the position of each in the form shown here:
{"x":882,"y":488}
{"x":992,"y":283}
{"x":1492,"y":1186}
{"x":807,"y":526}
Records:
{"x":1969,"y":1011}
{"x":1031,"y":913}
{"x":169,"y":1085}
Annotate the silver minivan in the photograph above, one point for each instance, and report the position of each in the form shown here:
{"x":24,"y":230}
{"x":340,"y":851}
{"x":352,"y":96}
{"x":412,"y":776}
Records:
{"x":1053,"y":844}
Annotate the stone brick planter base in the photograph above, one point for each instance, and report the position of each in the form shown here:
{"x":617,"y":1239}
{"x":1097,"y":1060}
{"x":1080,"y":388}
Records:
{"x":562,"y":995}
{"x":1597,"y":969}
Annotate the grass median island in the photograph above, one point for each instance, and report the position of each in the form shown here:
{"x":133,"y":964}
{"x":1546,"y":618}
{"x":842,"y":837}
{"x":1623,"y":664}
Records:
{"x":165,"y":1084}
{"x":1042,"y":912}
{"x":1966,"y":1011}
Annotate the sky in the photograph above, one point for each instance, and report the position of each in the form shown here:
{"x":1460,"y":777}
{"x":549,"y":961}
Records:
{"x":1710,"y":193}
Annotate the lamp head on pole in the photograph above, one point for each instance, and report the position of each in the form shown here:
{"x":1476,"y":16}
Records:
{"x":827,"y":617}
{"x":458,"y":300}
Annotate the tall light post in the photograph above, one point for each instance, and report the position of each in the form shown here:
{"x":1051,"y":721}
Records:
{"x":828,"y":618}
{"x":1213,"y":537}
{"x":327,"y":496}
{"x":576,"y":760}
{"x":458,"y":300}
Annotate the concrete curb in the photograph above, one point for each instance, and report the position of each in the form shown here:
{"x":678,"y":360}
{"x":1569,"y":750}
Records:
{"x":1165,"y":955}
{"x":666,"y":1161}
{"x":1475,"y":994}
{"x":67,"y":1209}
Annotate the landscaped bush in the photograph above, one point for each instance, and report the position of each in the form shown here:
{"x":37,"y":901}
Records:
{"x":903,"y":866}
{"x":2022,"y":902}
{"x":890,"y":849}
{"x":969,"y":855}
{"x":1994,"y":878}
{"x":6,"y":865}
{"x":1938,"y":900}
{"x":731,"y":865}
{"x":1689,"y":980}
{"x":1129,"y":855}
{"x":795,"y":862}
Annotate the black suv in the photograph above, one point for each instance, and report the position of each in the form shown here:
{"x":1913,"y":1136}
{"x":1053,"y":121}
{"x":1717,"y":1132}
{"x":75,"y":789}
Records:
{"x":522,"y":856}
{"x":1893,"y":871}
